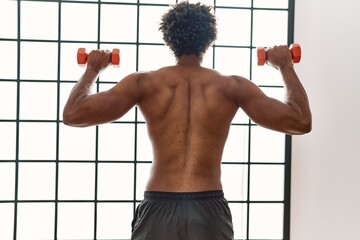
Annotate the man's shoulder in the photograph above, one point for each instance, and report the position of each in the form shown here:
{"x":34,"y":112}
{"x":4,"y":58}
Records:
{"x":150,"y":73}
{"x":236,"y":79}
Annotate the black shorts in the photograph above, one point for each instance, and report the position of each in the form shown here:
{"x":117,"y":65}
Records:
{"x":183,"y":216}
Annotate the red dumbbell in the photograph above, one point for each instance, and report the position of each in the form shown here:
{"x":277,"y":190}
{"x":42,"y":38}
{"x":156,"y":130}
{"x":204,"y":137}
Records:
{"x":295,"y":50}
{"x":82,"y":56}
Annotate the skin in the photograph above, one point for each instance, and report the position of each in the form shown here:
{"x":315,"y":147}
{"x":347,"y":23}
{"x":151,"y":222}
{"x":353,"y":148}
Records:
{"x":188,"y":110}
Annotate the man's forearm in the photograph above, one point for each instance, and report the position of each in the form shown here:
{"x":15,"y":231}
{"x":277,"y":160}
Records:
{"x":81,"y":90}
{"x":84,"y":85}
{"x":296,"y":96}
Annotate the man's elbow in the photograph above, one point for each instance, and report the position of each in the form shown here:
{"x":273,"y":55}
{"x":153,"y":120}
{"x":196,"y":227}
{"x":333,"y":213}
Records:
{"x":73,"y":120}
{"x":307,"y":127}
{"x":303,"y":127}
{"x":68,"y":119}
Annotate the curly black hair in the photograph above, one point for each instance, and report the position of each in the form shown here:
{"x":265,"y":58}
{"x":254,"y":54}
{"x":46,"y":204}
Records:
{"x":189,"y":28}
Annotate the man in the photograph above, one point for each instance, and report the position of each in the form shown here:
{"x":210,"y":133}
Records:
{"x":188,"y":110}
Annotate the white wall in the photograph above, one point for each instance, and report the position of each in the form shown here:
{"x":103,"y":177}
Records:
{"x":326,"y":162}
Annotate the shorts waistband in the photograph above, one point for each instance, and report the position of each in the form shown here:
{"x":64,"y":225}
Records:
{"x":183,"y":195}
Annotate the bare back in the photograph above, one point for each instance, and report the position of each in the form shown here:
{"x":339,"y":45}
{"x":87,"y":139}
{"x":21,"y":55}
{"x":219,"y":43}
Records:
{"x":188,"y":110}
{"x":188,"y":114}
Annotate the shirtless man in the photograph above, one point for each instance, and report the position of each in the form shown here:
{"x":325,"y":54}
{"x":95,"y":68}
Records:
{"x":188,"y":111}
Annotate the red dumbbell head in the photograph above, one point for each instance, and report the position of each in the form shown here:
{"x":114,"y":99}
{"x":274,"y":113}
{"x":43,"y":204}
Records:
{"x":115,"y":57}
{"x":261,"y":56}
{"x":81,"y":56}
{"x":295,"y":50}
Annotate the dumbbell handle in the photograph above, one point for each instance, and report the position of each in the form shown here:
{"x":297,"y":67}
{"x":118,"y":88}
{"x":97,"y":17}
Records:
{"x":82,"y":56}
{"x":295,"y":50}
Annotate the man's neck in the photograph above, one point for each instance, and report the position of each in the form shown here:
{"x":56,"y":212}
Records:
{"x":189,"y":60}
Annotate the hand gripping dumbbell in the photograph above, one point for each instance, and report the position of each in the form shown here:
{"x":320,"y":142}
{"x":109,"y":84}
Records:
{"x":295,"y":50}
{"x":82,"y":56}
